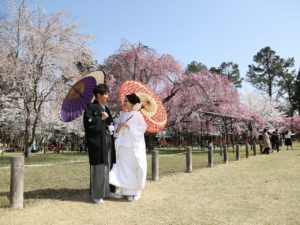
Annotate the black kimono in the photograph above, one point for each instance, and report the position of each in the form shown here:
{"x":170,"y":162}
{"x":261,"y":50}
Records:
{"x":99,"y":143}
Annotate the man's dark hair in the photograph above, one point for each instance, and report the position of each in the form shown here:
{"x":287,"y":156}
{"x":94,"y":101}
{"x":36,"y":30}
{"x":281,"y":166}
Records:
{"x":101,"y":89}
{"x":133,"y":99}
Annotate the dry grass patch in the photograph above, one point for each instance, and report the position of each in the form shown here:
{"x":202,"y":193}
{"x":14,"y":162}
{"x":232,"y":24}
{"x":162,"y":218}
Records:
{"x":260,"y":190}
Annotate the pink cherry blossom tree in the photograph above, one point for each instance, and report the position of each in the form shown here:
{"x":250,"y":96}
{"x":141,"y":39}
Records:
{"x":202,"y":93}
{"x":140,"y":62}
{"x":186,"y":97}
{"x":207,"y":104}
{"x":291,"y":123}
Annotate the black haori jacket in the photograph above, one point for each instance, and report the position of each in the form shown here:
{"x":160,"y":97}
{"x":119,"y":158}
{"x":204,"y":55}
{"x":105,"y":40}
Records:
{"x":98,"y":139}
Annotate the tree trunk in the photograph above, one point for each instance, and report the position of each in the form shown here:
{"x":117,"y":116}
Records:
{"x":26,"y":139}
{"x":270,"y":86}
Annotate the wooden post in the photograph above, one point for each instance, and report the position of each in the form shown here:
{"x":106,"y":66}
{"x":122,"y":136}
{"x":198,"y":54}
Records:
{"x":254,"y":148}
{"x":17,"y":182}
{"x":155,"y":165}
{"x":237,"y":155}
{"x":189,"y":162}
{"x":210,"y":156}
{"x":247,"y":151}
{"x":225,"y":154}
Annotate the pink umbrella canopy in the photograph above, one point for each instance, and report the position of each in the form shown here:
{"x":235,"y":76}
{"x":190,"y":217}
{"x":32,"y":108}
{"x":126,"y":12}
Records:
{"x":152,"y":109}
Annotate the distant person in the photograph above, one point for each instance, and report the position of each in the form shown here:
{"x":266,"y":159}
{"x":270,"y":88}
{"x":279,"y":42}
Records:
{"x":34,"y":147}
{"x":288,"y":140}
{"x":276,"y":137}
{"x":272,"y":139}
{"x":57,"y":145}
{"x":81,"y":147}
{"x":266,"y":142}
{"x":260,"y":138}
{"x":163,"y":143}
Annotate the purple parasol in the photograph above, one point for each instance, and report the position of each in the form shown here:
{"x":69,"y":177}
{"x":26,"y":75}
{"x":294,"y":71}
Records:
{"x":77,"y":98}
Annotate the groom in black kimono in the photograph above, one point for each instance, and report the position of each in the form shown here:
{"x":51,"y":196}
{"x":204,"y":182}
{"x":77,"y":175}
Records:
{"x":100,"y":142}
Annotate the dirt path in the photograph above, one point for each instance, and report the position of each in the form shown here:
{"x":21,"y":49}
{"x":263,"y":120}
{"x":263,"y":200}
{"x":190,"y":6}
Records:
{"x":259,"y":190}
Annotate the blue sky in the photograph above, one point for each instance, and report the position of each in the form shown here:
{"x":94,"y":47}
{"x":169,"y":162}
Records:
{"x":210,"y":31}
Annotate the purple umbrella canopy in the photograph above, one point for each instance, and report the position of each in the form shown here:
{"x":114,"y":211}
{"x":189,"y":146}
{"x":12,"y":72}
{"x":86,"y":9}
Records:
{"x":77,"y":98}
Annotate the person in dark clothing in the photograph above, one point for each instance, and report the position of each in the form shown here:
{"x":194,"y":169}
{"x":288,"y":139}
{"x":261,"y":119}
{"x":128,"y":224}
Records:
{"x":97,"y":120}
{"x":272,"y":139}
{"x":276,"y":139}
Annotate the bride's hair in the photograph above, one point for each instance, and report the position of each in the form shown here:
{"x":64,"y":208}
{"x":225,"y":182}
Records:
{"x":133,"y":99}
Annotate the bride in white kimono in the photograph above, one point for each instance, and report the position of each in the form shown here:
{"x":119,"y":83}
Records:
{"x":130,"y":171}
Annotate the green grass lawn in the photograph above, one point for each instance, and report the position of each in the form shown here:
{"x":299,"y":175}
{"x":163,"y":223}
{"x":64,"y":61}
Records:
{"x":72,"y":156}
{"x":59,"y":174}
{"x":260,"y":190}
{"x":41,"y":158}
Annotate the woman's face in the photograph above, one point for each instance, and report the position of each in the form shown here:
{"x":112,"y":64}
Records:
{"x":127,"y":105}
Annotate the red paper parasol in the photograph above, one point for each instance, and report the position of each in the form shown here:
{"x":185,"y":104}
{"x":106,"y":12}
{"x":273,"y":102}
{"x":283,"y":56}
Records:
{"x":152,"y":108}
{"x":79,"y":96}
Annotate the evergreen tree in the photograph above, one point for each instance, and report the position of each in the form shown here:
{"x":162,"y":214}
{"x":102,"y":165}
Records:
{"x":231,"y":70}
{"x":195,"y":67}
{"x":296,"y":93}
{"x":266,"y":74}
{"x":287,"y":88}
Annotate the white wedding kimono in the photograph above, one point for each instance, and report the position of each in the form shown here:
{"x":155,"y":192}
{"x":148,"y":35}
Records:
{"x":130,"y":171}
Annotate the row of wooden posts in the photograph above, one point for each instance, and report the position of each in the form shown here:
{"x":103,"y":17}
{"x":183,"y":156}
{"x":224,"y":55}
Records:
{"x":17,"y":170}
{"x":189,"y":165}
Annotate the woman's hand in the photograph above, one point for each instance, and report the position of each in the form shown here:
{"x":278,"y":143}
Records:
{"x":121,"y":125}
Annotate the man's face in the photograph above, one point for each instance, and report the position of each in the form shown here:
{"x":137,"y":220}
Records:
{"x":102,"y":98}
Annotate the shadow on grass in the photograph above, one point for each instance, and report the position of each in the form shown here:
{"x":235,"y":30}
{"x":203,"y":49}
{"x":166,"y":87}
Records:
{"x":63,"y":194}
